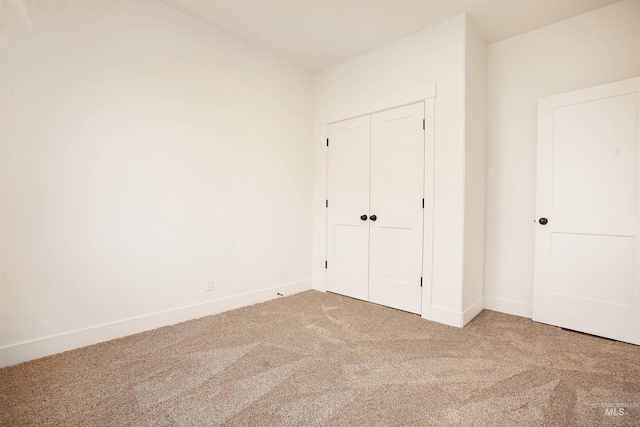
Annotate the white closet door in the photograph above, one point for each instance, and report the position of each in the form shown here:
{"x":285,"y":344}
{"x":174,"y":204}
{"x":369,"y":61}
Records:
{"x":396,"y":220}
{"x":348,"y":194}
{"x":587,"y":237}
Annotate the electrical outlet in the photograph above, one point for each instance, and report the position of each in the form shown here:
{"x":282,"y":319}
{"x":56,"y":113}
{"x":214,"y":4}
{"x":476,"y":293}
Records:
{"x":209,"y":284}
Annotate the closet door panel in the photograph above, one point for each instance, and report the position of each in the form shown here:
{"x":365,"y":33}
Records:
{"x":348,"y":198}
{"x":396,"y":191}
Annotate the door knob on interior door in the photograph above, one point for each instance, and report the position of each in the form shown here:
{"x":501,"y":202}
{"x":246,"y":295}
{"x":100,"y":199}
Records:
{"x":363,"y":217}
{"x":373,"y":217}
{"x":543,"y":220}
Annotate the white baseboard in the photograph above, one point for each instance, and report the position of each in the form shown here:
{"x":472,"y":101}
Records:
{"x":454,"y":317}
{"x":41,"y":347}
{"x":472,"y":311}
{"x":508,"y":306}
{"x":318,"y":285}
{"x":447,"y":316}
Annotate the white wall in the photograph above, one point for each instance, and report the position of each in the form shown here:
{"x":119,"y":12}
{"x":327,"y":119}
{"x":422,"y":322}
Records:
{"x":595,"y":48}
{"x":474,"y":170}
{"x":395,"y":74}
{"x":143,"y":151}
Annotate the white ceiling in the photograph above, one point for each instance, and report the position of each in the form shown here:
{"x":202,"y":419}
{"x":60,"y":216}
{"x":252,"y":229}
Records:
{"x":318,"y":34}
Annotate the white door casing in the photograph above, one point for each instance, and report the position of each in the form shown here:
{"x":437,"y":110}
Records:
{"x":587,"y":256}
{"x":397,"y":180}
{"x":348,"y":195}
{"x":429,"y":176}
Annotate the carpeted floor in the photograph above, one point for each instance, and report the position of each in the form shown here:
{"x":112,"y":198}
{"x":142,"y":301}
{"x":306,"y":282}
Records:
{"x":319,"y":359}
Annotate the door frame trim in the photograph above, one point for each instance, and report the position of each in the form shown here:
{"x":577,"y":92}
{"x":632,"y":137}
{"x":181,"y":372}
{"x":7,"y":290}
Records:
{"x":428,"y":95}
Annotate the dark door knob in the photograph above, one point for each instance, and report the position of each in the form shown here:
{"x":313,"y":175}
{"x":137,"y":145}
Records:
{"x":543,"y":221}
{"x":363,"y":217}
{"x":373,"y":217}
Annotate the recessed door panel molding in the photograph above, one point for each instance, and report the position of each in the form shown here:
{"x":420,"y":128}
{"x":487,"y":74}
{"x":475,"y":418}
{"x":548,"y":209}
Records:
{"x":587,"y":254}
{"x":375,"y":207}
{"x":602,"y":259}
{"x":583,"y":148}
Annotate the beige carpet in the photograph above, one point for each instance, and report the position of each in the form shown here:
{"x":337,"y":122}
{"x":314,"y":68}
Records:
{"x":321,"y":359}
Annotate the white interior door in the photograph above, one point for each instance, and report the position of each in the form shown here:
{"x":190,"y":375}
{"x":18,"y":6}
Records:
{"x":348,"y":198}
{"x":396,"y":220}
{"x":587,"y":253}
